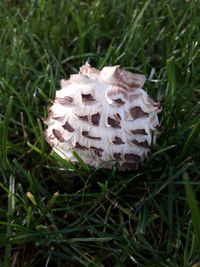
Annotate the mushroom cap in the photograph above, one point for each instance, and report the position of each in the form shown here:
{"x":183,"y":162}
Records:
{"x":104,"y":116}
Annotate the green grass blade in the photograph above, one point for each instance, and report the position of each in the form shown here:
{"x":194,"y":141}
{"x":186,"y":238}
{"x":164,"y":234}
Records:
{"x":11,"y":208}
{"x":82,"y":163}
{"x":4,"y":139}
{"x":191,"y":138}
{"x":195,"y":212}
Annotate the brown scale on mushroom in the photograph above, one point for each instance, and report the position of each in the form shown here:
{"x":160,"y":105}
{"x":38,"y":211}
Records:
{"x":142,"y":144}
{"x":58,"y":135}
{"x":118,"y":141}
{"x":68,"y":127}
{"x":117,"y":156}
{"x":139,"y":131}
{"x":97,"y":150}
{"x":95,"y":119}
{"x":113,"y":123}
{"x":103,"y":116}
{"x":137,"y":112}
{"x":84,"y":118}
{"x":87,"y":98}
{"x":86,"y":134}
{"x":81,"y":147}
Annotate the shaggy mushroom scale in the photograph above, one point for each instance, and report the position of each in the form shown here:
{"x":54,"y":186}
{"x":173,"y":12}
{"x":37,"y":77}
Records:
{"x":103,"y":116}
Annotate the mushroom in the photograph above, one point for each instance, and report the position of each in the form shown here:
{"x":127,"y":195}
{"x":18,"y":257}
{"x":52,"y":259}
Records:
{"x":104,"y":116}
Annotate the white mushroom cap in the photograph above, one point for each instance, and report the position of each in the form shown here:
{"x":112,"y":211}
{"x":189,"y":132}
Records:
{"x":103,"y":116}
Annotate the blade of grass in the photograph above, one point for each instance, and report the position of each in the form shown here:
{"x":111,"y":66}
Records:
{"x":195,"y":212}
{"x":5,"y":133}
{"x":156,"y":154}
{"x":35,"y":131}
{"x":190,"y":140}
{"x":66,"y":163}
{"x":82,"y":163}
{"x":11,"y":207}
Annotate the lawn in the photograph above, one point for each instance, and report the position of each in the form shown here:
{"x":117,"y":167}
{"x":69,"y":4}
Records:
{"x":55,"y":214}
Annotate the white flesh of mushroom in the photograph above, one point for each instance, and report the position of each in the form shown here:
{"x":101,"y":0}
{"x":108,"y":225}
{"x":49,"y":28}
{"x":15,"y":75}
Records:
{"x":103,"y":116}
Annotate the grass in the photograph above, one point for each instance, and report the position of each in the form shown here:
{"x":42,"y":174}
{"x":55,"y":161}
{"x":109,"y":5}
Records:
{"x":55,"y":214}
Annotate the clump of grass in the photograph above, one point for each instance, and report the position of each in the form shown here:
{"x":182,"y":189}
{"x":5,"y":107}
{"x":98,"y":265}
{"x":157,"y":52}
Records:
{"x":55,"y":214}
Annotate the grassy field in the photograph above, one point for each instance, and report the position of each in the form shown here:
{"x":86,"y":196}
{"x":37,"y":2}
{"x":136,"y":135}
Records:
{"x":51,"y":215}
